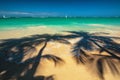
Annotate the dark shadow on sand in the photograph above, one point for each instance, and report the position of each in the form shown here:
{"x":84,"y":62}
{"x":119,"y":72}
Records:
{"x":12,"y":51}
{"x":95,"y":42}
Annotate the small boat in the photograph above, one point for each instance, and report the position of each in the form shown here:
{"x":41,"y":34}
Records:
{"x":3,"y":16}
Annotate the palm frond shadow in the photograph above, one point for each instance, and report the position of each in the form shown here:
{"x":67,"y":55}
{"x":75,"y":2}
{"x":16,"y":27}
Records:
{"x":100,"y":64}
{"x":92,"y":41}
{"x":55,"y":59}
{"x":12,"y":51}
{"x":51,"y":77}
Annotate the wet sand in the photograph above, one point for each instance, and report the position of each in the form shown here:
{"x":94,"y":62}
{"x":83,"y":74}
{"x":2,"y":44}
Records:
{"x":17,"y":33}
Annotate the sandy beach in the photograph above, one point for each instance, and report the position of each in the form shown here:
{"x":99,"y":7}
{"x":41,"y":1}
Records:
{"x":67,"y":70}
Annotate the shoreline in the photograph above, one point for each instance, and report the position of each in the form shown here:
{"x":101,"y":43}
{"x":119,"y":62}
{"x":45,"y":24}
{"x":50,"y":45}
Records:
{"x":24,"y":32}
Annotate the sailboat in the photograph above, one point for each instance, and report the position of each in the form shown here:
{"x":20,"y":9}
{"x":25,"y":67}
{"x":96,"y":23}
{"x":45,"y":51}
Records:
{"x":3,"y":16}
{"x":66,"y":16}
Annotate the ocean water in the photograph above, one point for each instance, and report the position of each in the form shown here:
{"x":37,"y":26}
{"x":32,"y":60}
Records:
{"x":77,"y":23}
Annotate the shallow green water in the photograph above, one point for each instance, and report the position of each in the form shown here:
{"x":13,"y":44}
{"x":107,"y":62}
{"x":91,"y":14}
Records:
{"x":72,"y":23}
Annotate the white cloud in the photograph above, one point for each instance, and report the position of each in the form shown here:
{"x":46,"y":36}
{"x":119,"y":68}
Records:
{"x":14,"y":12}
{"x":35,"y":14}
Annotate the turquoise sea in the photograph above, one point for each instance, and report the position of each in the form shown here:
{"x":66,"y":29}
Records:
{"x":81,"y":23}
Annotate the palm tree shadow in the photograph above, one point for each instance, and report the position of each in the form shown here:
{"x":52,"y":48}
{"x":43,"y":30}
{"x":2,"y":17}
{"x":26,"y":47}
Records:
{"x":11,"y":70}
{"x":51,"y":77}
{"x":12,"y":52}
{"x":93,"y":41}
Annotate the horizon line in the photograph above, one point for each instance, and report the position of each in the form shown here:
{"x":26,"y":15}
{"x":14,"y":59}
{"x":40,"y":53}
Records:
{"x":58,"y":16}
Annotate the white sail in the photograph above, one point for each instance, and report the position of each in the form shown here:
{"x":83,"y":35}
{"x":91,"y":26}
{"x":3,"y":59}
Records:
{"x":4,"y":16}
{"x":66,"y":16}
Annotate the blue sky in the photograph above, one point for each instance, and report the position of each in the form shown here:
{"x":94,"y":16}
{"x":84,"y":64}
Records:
{"x":60,"y":7}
